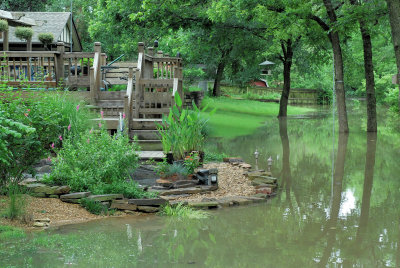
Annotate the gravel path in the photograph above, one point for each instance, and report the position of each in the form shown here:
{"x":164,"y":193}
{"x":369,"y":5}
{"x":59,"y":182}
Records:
{"x":231,"y":182}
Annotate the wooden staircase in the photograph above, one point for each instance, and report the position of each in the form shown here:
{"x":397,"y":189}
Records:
{"x":149,"y":95}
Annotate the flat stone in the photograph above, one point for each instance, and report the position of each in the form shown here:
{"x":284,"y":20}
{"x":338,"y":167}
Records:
{"x":233,"y":160}
{"x":245,"y":166}
{"x":43,"y":169}
{"x":148,"y":202}
{"x":264,"y":190}
{"x":77,"y":195}
{"x":73,"y":201}
{"x":148,"y":209}
{"x":258,"y":173}
{"x":41,"y":195}
{"x":256,"y":199}
{"x":263,"y":196}
{"x":123,"y":205}
{"x":257,"y":182}
{"x":45,"y":161}
{"x":53,"y":196}
{"x":28,"y":181}
{"x":164,"y":183}
{"x":105,"y":197}
{"x":209,"y":187}
{"x":40,"y":224}
{"x":173,"y":197}
{"x":177,"y":202}
{"x":62,"y":189}
{"x":42,"y":220}
{"x":106,"y":204}
{"x":131,"y":212}
{"x":185,"y":184}
{"x":205,"y":204}
{"x":39,"y":188}
{"x":191,"y":190}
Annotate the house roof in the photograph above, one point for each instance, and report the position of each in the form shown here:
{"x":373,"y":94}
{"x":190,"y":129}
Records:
{"x":46,"y":22}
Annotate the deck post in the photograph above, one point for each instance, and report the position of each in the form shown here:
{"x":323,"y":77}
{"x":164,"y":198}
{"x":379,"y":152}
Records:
{"x":137,"y":94}
{"x":59,"y":64}
{"x":95,"y":89}
{"x":150,"y":51}
{"x":5,"y":41}
{"x":128,"y":100}
{"x":140,"y":47}
{"x":160,"y":54}
{"x":93,"y":94}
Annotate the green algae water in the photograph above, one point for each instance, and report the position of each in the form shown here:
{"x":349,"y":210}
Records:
{"x":337,"y":206}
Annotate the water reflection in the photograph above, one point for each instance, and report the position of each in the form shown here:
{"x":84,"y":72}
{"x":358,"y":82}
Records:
{"x":345,"y":218}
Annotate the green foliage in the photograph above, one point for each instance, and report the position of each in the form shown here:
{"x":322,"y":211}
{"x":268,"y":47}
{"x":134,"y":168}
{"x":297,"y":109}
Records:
{"x":177,"y":169}
{"x":50,"y":117}
{"x":10,"y":233}
{"x":3,"y":25}
{"x":46,"y":38}
{"x":93,"y":206}
{"x":16,"y":205}
{"x":182,"y":130}
{"x":130,"y":189}
{"x":192,"y":161}
{"x":24,"y":33}
{"x":210,"y":156}
{"x":183,"y":212}
{"x":193,"y":74}
{"x":96,"y":162}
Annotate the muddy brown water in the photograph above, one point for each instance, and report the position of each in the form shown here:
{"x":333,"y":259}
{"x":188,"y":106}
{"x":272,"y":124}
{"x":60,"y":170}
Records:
{"x":333,"y":209}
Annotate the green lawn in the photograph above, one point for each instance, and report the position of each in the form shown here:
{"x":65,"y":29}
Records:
{"x":242,"y":117}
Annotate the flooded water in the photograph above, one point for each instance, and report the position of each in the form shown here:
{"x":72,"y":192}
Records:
{"x":337,"y":206}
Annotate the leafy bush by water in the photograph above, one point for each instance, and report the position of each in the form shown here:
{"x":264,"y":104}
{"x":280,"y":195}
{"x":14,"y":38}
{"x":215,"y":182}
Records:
{"x":97,"y":162}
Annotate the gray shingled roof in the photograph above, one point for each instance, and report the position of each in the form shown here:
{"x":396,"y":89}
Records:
{"x":46,"y":22}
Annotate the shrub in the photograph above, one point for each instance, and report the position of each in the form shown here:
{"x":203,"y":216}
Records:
{"x":3,"y":25}
{"x":93,"y":206}
{"x":50,"y":118}
{"x":24,"y":33}
{"x":213,"y":157}
{"x":96,"y":162}
{"x":46,"y":38}
{"x":177,"y":169}
{"x":182,"y":211}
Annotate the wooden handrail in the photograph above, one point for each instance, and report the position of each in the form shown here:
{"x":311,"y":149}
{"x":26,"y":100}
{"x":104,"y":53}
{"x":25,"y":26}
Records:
{"x":78,"y":55}
{"x":28,"y":54}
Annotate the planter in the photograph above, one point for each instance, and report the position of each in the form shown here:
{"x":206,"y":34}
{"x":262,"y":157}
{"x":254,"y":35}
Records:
{"x":170,"y":158}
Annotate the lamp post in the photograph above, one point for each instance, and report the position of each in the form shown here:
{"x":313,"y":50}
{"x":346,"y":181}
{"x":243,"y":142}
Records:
{"x":269,"y":163}
{"x":256,"y":154}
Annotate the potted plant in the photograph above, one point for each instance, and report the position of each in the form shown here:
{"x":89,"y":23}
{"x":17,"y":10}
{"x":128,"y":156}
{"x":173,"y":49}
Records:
{"x":182,"y":131}
{"x":25,"y":33}
{"x":46,"y":39}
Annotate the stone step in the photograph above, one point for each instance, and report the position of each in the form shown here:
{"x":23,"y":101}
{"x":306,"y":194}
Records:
{"x":105,"y":197}
{"x":190,"y":190}
{"x":74,"y":197}
{"x":154,"y":202}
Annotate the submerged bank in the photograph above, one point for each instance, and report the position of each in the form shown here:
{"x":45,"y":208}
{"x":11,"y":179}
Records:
{"x":235,"y":118}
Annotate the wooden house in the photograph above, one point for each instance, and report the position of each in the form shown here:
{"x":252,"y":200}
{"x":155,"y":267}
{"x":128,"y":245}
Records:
{"x":57,"y":23}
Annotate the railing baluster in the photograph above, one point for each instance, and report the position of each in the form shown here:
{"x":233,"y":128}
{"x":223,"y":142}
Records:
{"x":15,"y":72}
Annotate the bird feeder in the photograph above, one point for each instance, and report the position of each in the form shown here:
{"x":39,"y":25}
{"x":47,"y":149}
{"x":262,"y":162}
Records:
{"x":266,"y":70}
{"x":266,"y":67}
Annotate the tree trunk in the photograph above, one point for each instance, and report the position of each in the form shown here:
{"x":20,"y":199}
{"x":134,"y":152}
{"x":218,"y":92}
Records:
{"x":338,"y":63}
{"x":394,"y":17}
{"x":369,"y":75}
{"x":218,"y":78}
{"x":287,"y":65}
{"x":220,"y":71}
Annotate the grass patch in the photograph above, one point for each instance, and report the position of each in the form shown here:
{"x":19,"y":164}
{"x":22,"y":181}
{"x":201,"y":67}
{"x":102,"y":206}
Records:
{"x":183,"y":212}
{"x":242,"y":117}
{"x":9,"y":232}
